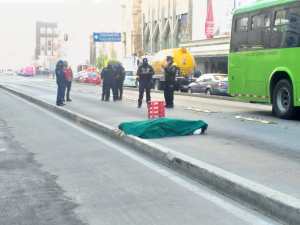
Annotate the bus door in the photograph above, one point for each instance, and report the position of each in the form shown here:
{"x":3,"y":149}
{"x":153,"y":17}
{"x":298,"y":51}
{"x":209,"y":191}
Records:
{"x":237,"y":64}
{"x":259,"y":37}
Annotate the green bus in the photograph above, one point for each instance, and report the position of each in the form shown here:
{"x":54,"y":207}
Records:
{"x":264,"y":59}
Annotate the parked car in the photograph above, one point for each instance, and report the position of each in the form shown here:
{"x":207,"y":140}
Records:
{"x":183,"y":83}
{"x":88,"y":77}
{"x":130,"y":79}
{"x":210,"y":84}
{"x":28,"y":71}
{"x":93,"y":78}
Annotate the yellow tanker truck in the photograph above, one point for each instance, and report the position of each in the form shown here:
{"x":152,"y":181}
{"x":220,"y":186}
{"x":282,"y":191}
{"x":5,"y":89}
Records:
{"x":183,"y":59}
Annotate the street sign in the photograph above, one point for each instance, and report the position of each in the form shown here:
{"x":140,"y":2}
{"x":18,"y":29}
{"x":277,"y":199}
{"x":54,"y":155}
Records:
{"x":107,"y":37}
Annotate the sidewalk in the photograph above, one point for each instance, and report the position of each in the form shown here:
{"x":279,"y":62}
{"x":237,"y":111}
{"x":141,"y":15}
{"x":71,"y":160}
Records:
{"x":277,"y":170}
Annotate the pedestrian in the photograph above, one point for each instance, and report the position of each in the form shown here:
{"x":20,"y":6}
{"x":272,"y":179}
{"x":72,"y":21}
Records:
{"x":104,"y":78}
{"x":145,"y":73}
{"x":108,"y":82}
{"x":68,"y":73}
{"x":61,"y":83}
{"x":114,"y":80}
{"x":120,"y":81}
{"x":171,"y":71}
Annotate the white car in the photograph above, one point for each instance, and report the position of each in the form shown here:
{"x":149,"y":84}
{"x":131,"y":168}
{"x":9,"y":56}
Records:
{"x":130,"y":79}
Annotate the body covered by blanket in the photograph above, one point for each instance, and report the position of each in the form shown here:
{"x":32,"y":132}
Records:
{"x":164,"y":127}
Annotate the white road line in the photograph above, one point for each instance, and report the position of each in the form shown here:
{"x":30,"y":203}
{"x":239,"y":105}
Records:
{"x":239,"y":212}
{"x":252,"y":119}
{"x":199,"y":110}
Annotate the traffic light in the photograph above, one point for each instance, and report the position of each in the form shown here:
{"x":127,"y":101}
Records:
{"x":66,"y":37}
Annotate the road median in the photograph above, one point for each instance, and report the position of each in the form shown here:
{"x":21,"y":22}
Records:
{"x":265,"y":200}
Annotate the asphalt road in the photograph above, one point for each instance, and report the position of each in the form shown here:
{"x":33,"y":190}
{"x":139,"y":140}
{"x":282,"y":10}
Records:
{"x":53,"y":172}
{"x":243,"y":138}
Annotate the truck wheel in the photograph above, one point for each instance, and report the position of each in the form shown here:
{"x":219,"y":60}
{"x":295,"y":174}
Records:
{"x":157,"y":85}
{"x":283,"y":106}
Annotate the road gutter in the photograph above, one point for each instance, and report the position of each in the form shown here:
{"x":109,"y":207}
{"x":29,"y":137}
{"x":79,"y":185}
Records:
{"x":263,"y":199}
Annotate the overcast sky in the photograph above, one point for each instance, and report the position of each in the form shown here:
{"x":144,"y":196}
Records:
{"x":78,"y":18}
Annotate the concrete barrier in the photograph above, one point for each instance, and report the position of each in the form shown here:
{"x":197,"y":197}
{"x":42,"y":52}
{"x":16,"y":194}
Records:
{"x":272,"y":203}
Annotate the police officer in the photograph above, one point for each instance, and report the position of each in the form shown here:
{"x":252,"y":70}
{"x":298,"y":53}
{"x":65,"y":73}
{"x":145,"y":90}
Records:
{"x":108,"y":80}
{"x":61,"y":83}
{"x":145,"y":73}
{"x":170,"y":77}
{"x":120,"y":77}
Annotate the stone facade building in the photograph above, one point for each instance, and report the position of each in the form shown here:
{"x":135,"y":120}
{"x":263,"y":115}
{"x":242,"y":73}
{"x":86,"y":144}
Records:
{"x":132,"y":28}
{"x":166,"y":23}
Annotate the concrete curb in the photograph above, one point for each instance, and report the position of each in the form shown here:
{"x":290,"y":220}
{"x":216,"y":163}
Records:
{"x":270,"y":202}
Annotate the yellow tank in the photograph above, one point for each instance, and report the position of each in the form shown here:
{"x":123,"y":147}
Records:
{"x":183,"y":59}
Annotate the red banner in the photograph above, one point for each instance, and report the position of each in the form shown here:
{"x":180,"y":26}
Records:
{"x":209,"y":23}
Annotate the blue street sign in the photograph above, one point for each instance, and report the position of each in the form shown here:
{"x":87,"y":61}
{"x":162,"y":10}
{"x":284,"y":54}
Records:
{"x":107,"y":37}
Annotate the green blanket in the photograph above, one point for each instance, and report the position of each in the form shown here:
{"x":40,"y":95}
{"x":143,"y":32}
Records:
{"x":164,"y":127}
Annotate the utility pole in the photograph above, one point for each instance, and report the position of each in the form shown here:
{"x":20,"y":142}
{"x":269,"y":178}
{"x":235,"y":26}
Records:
{"x":190,"y":19}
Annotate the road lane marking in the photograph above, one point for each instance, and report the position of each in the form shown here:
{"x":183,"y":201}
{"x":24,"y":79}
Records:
{"x":200,"y":110}
{"x":253,"y":119}
{"x":240,"y":212}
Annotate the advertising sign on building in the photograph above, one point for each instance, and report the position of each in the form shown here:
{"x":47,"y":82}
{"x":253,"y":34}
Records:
{"x":209,"y":23}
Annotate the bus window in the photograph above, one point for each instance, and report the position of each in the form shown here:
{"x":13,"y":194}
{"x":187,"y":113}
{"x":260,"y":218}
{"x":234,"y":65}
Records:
{"x":286,"y":29}
{"x":260,"y":21}
{"x":242,"y":24}
{"x":239,"y":36}
{"x":259,"y":35}
{"x":281,"y":18}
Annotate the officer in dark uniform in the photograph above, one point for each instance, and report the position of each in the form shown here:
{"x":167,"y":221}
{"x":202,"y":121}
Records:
{"x":104,"y":74}
{"x":170,"y":78}
{"x":145,"y":73}
{"x":108,"y":80}
{"x":61,"y":83}
{"x":120,"y":80}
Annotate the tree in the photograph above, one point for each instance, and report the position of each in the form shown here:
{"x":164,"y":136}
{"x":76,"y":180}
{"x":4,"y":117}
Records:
{"x":101,"y":60}
{"x":113,"y":53}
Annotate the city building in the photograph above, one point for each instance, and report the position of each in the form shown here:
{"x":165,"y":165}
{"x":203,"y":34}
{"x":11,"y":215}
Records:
{"x":47,"y":49}
{"x":202,"y":26}
{"x":211,"y":28}
{"x":166,"y":23}
{"x":132,"y":28}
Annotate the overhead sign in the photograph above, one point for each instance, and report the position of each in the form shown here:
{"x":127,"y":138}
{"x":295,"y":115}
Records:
{"x":107,"y":37}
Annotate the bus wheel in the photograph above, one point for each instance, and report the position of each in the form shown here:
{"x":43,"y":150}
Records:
{"x":283,"y":106}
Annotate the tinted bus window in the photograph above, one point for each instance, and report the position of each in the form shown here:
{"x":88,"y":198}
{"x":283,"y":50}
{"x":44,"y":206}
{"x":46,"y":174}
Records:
{"x":242,"y":24}
{"x":260,"y":21}
{"x":259,"y":35}
{"x":286,"y":30}
{"x":281,"y":18}
{"x":240,"y":35}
